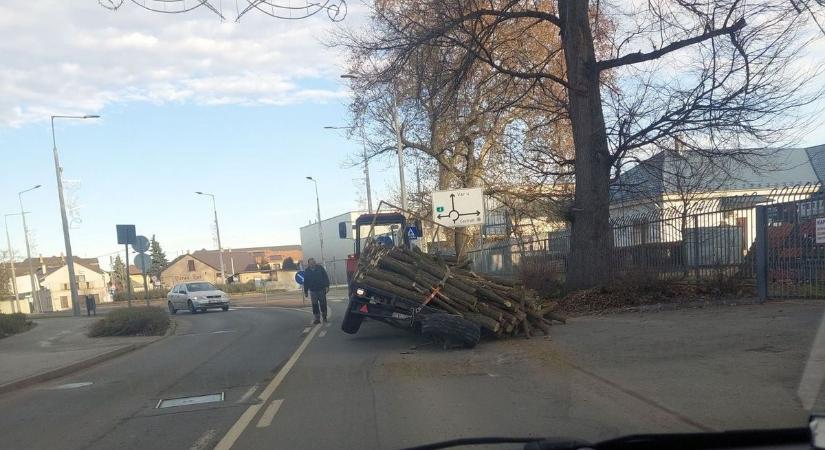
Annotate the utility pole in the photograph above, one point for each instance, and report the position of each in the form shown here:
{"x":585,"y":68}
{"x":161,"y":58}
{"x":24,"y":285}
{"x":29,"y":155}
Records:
{"x":318,"y":206}
{"x":218,"y":232}
{"x":66,"y":238}
{"x":35,"y":285}
{"x":11,"y":261}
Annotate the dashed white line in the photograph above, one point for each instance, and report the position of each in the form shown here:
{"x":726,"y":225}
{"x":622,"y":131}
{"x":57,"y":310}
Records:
{"x":248,"y":393}
{"x":306,"y":330}
{"x":322,"y":333}
{"x":269,"y":413}
{"x":246,"y":418}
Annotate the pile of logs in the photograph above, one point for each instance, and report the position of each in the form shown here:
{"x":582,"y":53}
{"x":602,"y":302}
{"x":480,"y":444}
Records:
{"x":501,"y":306}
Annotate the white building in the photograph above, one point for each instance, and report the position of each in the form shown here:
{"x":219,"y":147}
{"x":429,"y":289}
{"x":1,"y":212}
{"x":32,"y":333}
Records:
{"x":336,"y":249}
{"x":52,"y":275}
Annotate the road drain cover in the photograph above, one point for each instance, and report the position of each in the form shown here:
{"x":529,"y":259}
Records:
{"x":184,"y":401}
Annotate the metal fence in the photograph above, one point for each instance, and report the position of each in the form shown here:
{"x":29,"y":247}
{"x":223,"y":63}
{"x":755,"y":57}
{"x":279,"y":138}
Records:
{"x":716,"y":241}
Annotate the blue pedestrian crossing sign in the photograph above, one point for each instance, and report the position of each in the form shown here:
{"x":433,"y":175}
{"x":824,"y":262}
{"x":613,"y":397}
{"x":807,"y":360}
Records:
{"x":413,"y":233}
{"x":299,"y":277}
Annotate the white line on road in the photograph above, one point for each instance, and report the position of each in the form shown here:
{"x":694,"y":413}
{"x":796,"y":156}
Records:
{"x":269,"y":413}
{"x":301,"y":309}
{"x":203,"y":441}
{"x":246,"y":418}
{"x":306,"y":330}
{"x":322,"y":333}
{"x":248,"y":393}
{"x":223,"y":331}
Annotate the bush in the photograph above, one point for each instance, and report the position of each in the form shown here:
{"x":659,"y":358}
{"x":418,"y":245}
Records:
{"x":13,"y":324}
{"x":236,"y":288}
{"x":139,"y":321}
{"x":153,"y":294}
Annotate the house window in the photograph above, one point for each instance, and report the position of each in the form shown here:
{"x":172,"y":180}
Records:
{"x":65,"y":286}
{"x":64,"y":302}
{"x":191,"y":264}
{"x":81,"y":279}
{"x":88,"y":285}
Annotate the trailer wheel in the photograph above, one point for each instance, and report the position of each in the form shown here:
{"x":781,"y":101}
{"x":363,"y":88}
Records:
{"x":352,"y":321}
{"x":451,"y":330}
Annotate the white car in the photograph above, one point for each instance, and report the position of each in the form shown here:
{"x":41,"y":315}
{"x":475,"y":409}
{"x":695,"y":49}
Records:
{"x":196,"y":296}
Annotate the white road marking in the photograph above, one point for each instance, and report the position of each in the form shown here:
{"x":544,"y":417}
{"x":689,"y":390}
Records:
{"x":223,"y":331}
{"x":248,"y":393}
{"x":72,"y":385}
{"x":269,"y":413}
{"x":322,"y":334}
{"x":203,"y":442}
{"x":246,"y":418}
{"x":243,"y":307}
{"x":306,"y":330}
{"x":303,"y":309}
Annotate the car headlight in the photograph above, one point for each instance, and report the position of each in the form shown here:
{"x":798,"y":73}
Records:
{"x":360,"y":292}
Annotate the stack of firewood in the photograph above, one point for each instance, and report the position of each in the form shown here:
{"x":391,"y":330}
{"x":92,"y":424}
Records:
{"x":498,"y":305}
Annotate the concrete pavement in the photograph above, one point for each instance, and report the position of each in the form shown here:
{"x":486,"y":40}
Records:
{"x":53,"y":344}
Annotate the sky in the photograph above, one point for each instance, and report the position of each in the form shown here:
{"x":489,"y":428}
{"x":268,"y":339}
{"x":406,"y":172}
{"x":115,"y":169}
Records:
{"x":188,"y":103}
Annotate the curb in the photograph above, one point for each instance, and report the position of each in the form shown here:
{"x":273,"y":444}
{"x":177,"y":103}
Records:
{"x":80,"y":365}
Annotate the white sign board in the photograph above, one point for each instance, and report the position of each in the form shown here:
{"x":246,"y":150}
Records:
{"x":820,"y":230}
{"x":459,"y":207}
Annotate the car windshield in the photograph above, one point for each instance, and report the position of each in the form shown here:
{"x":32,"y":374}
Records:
{"x":378,"y":224}
{"x":196,"y":287}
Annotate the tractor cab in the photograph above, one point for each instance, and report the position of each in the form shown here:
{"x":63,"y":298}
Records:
{"x":389,"y":229}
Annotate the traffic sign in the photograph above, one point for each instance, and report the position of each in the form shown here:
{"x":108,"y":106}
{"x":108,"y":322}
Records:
{"x":125,"y":234}
{"x":413,"y":233}
{"x":299,"y":277}
{"x":459,"y":207}
{"x":141,"y":244}
{"x":143,"y":262}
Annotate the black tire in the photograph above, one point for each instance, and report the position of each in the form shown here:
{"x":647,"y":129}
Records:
{"x":192,"y":308}
{"x":225,"y":308}
{"x":451,"y":330}
{"x":352,"y":321}
{"x":172,"y":309}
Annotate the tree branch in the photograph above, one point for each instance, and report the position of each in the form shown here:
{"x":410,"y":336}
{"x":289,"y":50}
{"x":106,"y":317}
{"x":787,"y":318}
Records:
{"x":638,"y":57}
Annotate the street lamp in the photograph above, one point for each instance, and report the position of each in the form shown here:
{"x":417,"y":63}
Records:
{"x":218,"y":232}
{"x":318,"y":206}
{"x":399,"y":145}
{"x":66,"y":238}
{"x":11,"y":261}
{"x":35,"y":285}
{"x":366,"y":167}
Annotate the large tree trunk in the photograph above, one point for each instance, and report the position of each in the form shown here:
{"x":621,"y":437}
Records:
{"x":591,"y":237}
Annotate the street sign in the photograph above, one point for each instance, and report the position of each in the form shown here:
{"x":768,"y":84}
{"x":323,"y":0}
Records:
{"x":143,"y":262}
{"x":299,"y":277}
{"x":413,"y":233}
{"x":459,"y":207}
{"x":125,"y":234}
{"x":141,"y":244}
{"x":820,"y":230}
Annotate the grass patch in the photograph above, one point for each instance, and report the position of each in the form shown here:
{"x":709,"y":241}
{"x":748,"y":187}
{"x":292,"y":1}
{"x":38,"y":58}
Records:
{"x":138,"y":321}
{"x":14,"y":323}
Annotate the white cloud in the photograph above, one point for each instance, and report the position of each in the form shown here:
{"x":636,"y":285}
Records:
{"x":71,"y":57}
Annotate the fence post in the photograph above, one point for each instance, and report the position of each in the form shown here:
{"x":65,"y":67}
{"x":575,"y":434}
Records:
{"x":762,"y":252}
{"x":696,"y":248}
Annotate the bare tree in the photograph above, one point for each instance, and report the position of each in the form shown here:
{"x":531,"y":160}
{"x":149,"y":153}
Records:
{"x":725,"y":73}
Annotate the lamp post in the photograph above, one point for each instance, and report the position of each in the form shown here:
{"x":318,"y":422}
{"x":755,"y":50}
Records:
{"x":399,"y":144}
{"x":318,"y":206}
{"x":366,"y":168}
{"x":11,"y":262}
{"x":35,"y":285}
{"x":218,"y":232}
{"x":66,"y":238}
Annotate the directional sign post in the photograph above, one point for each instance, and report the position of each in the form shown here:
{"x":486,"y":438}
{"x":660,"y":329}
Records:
{"x":459,"y":207}
{"x":299,"y":278}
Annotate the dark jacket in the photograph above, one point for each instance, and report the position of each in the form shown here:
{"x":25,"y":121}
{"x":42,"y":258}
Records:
{"x":315,"y":279}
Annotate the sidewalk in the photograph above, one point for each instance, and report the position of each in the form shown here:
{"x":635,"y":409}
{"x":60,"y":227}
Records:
{"x":54,"y":347}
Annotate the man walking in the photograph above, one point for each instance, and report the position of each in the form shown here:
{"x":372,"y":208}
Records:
{"x":316,"y":283}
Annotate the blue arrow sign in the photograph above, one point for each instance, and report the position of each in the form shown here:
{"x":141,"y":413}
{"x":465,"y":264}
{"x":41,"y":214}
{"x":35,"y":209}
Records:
{"x":299,"y":277}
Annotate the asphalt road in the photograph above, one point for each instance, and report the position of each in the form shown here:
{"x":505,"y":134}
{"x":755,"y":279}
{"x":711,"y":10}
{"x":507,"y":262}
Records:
{"x":288,"y":385}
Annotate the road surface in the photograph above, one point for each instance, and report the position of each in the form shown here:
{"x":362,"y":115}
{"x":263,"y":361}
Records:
{"x":288,"y":385}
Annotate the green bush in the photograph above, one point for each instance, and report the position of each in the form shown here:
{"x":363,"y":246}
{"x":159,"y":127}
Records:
{"x":138,"y":321}
{"x":236,"y":288}
{"x":153,"y":294}
{"x":13,"y":324}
